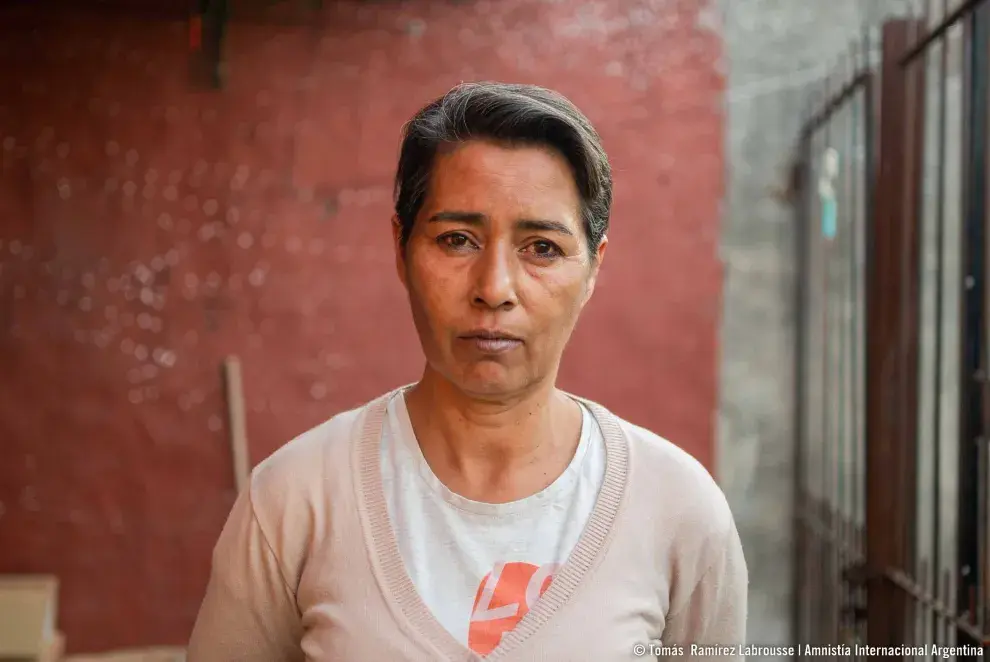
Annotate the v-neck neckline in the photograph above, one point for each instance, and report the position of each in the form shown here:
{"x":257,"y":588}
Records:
{"x":390,"y":570}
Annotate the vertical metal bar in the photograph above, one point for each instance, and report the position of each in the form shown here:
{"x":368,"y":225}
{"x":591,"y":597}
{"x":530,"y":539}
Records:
{"x":917,"y":76}
{"x":957,"y":586}
{"x":903,"y":326}
{"x":805,"y":594}
{"x":878,"y":311}
{"x":869,"y":183}
{"x":864,"y":183}
{"x":914,"y":607}
{"x":926,"y":587}
{"x":800,"y":180}
{"x":910,"y":318}
{"x":838,"y":333}
{"x":907,"y":328}
{"x":827,"y":423}
{"x":894,"y":221}
{"x":834,"y":361}
{"x":815,"y":438}
{"x":936,"y":493}
{"x":974,"y":233}
{"x":933,"y":577}
{"x":919,"y":626}
{"x":983,"y":514}
{"x":846,"y":233}
{"x":983,"y":565}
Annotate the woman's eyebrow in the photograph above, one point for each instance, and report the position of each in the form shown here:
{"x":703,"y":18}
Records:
{"x":477,"y":218}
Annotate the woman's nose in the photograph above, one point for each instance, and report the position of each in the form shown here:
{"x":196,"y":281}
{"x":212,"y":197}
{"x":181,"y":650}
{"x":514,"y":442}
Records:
{"x":495,"y":282}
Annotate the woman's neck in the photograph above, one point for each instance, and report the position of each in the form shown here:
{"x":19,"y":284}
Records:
{"x":508,"y":446}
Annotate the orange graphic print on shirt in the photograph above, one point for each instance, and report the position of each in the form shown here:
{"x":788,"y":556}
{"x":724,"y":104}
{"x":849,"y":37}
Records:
{"x":504,"y":596}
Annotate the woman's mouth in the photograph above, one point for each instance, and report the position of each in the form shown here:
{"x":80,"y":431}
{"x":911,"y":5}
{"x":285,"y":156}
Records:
{"x":489,"y":341}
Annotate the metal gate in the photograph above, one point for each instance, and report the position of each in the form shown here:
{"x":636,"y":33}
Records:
{"x":893,"y":393}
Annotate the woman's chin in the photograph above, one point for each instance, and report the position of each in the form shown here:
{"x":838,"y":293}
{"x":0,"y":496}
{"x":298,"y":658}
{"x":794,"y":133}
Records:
{"x":490,"y":379}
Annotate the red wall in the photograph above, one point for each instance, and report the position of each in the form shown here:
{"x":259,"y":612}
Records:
{"x":148,"y":229}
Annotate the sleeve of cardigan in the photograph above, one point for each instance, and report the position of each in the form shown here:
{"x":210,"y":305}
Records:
{"x":712,"y":624}
{"x":249,"y":613}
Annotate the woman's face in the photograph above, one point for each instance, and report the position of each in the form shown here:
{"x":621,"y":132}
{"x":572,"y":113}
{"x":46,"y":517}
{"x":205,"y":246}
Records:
{"x":497,"y":267}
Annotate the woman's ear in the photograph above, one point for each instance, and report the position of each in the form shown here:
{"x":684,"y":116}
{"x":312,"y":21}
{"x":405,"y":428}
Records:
{"x":400,"y":251}
{"x":596,"y":264}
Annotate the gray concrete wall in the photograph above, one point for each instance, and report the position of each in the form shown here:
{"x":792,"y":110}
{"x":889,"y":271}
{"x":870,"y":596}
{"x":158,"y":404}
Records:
{"x":776,"y":51}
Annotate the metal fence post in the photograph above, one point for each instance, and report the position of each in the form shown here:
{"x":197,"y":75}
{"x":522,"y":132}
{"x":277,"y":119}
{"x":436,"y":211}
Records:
{"x":891,"y":339}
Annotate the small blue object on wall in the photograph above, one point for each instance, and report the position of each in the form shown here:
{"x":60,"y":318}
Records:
{"x":826,"y":191}
{"x":829,"y":217}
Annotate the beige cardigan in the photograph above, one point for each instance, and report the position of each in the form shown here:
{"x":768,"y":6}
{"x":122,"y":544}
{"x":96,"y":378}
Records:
{"x":307,"y":567}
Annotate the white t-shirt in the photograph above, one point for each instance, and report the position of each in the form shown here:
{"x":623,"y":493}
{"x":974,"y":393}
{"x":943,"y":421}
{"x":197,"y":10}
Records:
{"x":480,"y":567}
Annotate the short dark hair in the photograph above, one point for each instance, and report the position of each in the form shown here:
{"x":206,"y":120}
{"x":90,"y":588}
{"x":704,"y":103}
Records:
{"x":513,"y":115}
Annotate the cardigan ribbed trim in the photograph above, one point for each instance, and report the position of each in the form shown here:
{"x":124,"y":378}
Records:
{"x":386,"y":559}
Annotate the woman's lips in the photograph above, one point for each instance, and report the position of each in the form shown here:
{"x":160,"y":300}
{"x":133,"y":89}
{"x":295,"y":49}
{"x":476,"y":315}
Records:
{"x":494,"y":345}
{"x":491,"y":341}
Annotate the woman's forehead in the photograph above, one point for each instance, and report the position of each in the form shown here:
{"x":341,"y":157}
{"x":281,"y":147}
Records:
{"x":500,"y":182}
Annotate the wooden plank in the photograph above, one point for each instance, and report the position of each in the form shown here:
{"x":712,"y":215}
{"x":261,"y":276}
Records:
{"x":236,"y":421}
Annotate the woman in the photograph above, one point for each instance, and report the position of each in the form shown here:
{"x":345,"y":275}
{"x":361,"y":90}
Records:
{"x":482,"y":512}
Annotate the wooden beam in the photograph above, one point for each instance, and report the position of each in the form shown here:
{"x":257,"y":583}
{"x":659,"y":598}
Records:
{"x":236,"y":421}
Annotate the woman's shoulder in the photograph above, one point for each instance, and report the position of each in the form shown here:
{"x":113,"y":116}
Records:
{"x":657,"y":454}
{"x":306,"y":452}
{"x":671,"y":479}
{"x":685,"y":503}
{"x":303,"y":470}
{"x":663,"y":457}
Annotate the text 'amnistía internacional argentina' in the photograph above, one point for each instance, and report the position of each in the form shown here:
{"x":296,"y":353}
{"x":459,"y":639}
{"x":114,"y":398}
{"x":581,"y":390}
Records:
{"x":836,"y":650}
{"x":926,"y":650}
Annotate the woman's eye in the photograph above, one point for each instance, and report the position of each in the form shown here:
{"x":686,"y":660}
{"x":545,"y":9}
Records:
{"x":454,"y":240}
{"x":545,"y":249}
